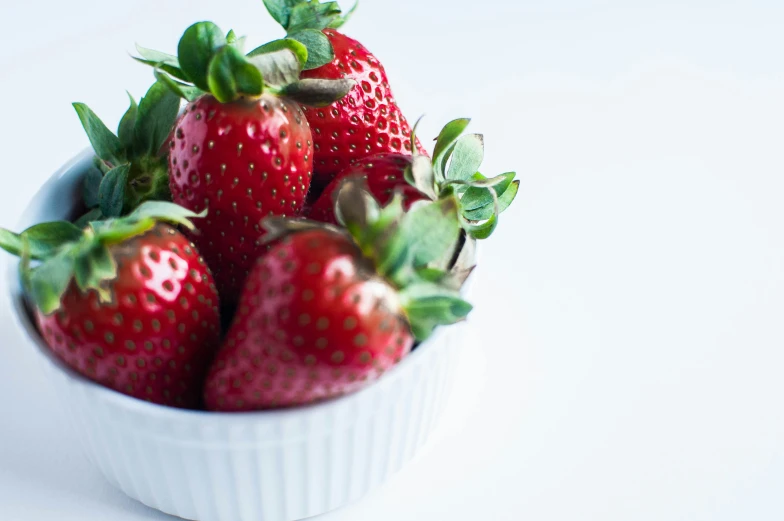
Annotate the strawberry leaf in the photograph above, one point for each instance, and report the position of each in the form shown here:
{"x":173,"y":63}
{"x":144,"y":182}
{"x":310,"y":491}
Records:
{"x":94,"y":267}
{"x":91,"y":216}
{"x":338,"y":21}
{"x":161,"y":60}
{"x":466,"y":157}
{"x":157,"y":113}
{"x":106,"y":145}
{"x":422,"y":176}
{"x":319,"y":48}
{"x":312,"y":15}
{"x":165,"y":211}
{"x":41,"y":240}
{"x":478,"y":196}
{"x":485,"y":212}
{"x":112,"y":190}
{"x":187,"y":92}
{"x":280,"y":66}
{"x":432,"y":229}
{"x":428,"y":305}
{"x":196,"y":50}
{"x":299,"y":49}
{"x":317,"y":92}
{"x":125,"y":131}
{"x":91,"y":188}
{"x":280,"y":10}
{"x":48,"y":282}
{"x":231,"y":74}
{"x":445,"y":144}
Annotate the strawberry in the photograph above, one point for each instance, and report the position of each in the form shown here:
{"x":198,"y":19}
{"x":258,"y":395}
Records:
{"x":128,"y":302}
{"x":324,"y":313}
{"x":451,"y":174}
{"x":132,"y":166}
{"x":384,"y":174}
{"x":368,"y":120}
{"x":241,"y":149}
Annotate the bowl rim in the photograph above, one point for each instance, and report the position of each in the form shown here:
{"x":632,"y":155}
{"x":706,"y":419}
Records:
{"x":135,"y":405}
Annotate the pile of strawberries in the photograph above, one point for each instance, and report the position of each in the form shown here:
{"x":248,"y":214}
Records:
{"x":282,"y":239}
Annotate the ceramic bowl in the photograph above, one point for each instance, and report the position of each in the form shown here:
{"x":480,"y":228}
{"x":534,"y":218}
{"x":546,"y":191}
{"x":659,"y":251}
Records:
{"x":263,"y":466}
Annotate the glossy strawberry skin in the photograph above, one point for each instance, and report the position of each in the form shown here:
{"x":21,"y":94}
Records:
{"x":384,"y":174}
{"x":241,"y":161}
{"x":314,"y":323}
{"x":155,"y":339}
{"x":366,"y":121}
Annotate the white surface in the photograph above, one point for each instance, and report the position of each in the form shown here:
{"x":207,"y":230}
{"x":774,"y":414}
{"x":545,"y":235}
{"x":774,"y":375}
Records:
{"x":629,"y":364}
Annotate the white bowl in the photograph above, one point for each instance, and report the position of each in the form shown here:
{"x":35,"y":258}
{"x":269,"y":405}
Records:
{"x":263,"y":466}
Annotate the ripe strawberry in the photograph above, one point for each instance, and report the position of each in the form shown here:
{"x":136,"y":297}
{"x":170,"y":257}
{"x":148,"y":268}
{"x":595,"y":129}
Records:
{"x":384,"y":174}
{"x":239,"y":150}
{"x":243,"y":161}
{"x":324,"y":313}
{"x":368,"y":120}
{"x":128,"y":303}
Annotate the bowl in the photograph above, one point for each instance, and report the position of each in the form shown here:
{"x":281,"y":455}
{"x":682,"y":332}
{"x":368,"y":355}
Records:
{"x":262,"y":466}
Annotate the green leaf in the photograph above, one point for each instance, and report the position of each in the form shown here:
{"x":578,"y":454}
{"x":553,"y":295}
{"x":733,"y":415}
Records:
{"x":93,"y":267}
{"x":197,"y":47}
{"x":479,"y":196}
{"x":42,"y":239}
{"x":319,"y":47}
{"x":127,"y":124}
{"x":93,"y":215}
{"x":429,"y":305}
{"x":280,"y":67}
{"x":231,"y":74}
{"x":312,"y":15}
{"x":466,"y":157}
{"x":280,"y":10}
{"x":445,"y":144}
{"x":483,"y":230}
{"x":112,"y":190}
{"x":432,"y":229}
{"x":165,"y":211}
{"x":186,"y":92}
{"x":157,"y":113}
{"x":90,"y":188}
{"x":107,"y":146}
{"x":485,"y":212}
{"x":299,"y":49}
{"x":48,"y":282}
{"x":317,"y":92}
{"x":422,"y":175}
{"x":161,"y":60}
{"x":338,"y":22}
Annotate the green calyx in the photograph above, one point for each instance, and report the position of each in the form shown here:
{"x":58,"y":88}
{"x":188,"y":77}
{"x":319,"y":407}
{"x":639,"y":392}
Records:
{"x":405,"y":248}
{"x":408,"y":249}
{"x":454,"y":174}
{"x":64,"y":252}
{"x":208,"y":61}
{"x":304,"y":21}
{"x":131,"y":165}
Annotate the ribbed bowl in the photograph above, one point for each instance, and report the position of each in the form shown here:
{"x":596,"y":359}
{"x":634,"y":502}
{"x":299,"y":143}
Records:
{"x":265,"y":466}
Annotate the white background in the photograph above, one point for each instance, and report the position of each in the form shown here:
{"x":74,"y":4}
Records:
{"x":627,"y":360}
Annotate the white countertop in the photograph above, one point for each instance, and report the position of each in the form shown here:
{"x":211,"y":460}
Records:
{"x":627,"y":360}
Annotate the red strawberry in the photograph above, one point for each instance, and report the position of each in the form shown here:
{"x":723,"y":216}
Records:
{"x":128,"y":303}
{"x":368,"y":120}
{"x":384,"y":174}
{"x":323,"y":314}
{"x":243,"y":161}
{"x":239,"y":150}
